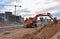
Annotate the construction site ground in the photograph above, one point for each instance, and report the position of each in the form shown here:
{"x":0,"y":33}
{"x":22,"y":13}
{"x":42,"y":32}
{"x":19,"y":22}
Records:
{"x":48,"y":31}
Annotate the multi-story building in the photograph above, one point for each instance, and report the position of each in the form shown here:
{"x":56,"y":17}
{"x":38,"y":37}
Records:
{"x":7,"y":15}
{"x":9,"y":18}
{"x":12,"y":18}
{"x":2,"y":14}
{"x":41,"y":19}
{"x":1,"y":17}
{"x":21,"y":20}
{"x":17,"y":18}
{"x":30,"y":18}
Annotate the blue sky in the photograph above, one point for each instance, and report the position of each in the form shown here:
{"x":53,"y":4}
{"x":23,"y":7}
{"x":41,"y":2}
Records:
{"x":34,"y":6}
{"x":1,"y":7}
{"x":57,"y":14}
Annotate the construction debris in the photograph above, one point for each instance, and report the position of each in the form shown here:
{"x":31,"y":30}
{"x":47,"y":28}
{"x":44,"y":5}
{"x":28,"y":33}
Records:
{"x":6,"y":32}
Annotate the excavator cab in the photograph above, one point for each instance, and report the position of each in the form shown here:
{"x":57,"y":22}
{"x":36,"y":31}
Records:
{"x":30,"y":23}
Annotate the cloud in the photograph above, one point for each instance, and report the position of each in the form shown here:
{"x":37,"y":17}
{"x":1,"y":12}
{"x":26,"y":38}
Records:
{"x":6,"y":1}
{"x":52,"y":9}
{"x":34,"y":6}
{"x":57,"y":13}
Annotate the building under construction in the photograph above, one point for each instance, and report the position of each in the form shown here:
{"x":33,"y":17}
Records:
{"x":8,"y":17}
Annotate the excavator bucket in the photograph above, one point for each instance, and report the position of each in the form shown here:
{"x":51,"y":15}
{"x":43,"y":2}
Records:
{"x":55,"y":20}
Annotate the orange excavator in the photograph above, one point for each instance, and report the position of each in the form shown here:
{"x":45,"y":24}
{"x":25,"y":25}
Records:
{"x":30,"y":23}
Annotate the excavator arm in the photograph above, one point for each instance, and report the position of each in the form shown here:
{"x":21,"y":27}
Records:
{"x":48,"y":14}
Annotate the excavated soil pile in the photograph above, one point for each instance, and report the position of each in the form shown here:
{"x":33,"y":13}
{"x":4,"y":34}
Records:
{"x":41,"y":32}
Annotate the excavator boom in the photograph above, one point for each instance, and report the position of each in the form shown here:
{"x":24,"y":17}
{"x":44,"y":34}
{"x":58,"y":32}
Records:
{"x":48,"y":14}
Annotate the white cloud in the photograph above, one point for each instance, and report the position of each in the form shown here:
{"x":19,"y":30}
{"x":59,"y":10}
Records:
{"x":35,"y":6}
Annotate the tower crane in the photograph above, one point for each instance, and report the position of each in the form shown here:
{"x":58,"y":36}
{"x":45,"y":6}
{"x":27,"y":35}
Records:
{"x":12,"y":5}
